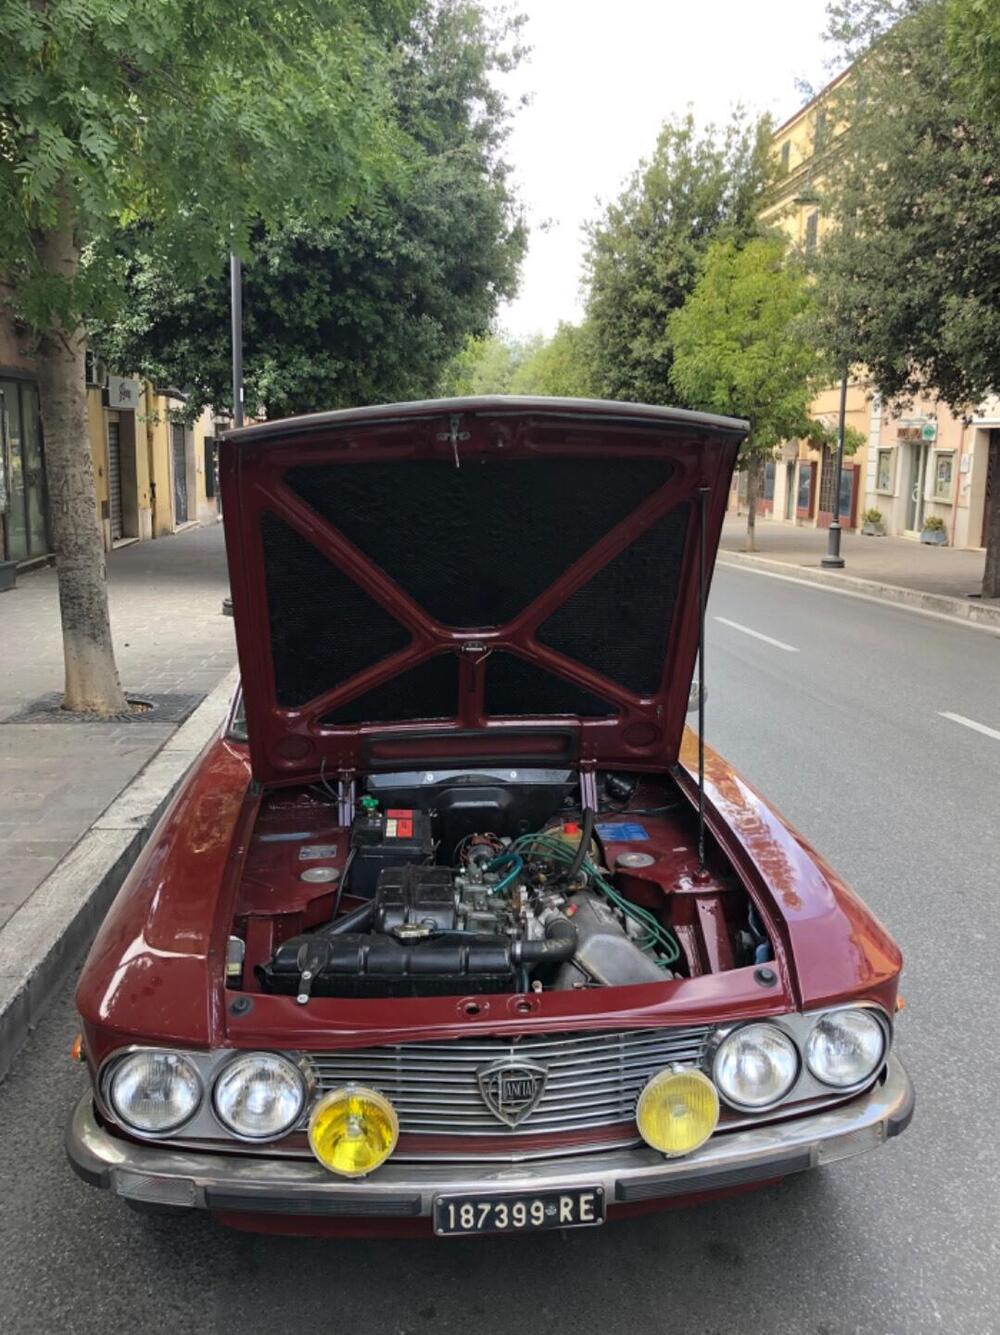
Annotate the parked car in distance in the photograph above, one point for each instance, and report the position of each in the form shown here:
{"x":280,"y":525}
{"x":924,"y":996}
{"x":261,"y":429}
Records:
{"x":432,"y":939}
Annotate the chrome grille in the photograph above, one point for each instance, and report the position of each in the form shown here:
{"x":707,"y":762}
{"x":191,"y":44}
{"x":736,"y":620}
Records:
{"x":593,"y":1079}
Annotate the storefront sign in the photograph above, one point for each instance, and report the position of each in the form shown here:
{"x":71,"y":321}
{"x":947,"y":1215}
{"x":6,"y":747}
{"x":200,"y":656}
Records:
{"x":123,"y":394}
{"x":928,"y":431}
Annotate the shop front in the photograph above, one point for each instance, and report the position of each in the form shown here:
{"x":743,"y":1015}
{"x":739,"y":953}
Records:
{"x":23,"y":497}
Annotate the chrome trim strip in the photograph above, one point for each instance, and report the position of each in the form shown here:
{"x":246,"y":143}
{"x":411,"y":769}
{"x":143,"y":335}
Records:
{"x":157,"y":1173}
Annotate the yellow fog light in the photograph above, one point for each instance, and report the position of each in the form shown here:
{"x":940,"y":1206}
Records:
{"x":677,"y":1111}
{"x":353,"y":1130}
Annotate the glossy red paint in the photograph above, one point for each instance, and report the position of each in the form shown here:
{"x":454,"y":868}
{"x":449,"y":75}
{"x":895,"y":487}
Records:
{"x":291,"y":744}
{"x":156,"y":971}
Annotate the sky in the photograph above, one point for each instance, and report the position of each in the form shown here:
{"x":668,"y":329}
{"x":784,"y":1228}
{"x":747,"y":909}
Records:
{"x":602,"y":77}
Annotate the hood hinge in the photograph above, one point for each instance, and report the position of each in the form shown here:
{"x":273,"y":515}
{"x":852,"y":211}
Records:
{"x":588,"y":787}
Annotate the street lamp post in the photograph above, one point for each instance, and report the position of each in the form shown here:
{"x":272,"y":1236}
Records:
{"x":236,"y":326}
{"x":236,"y":315}
{"x":833,"y":557}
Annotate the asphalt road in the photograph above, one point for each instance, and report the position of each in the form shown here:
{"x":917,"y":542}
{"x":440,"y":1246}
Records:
{"x":843,"y":729}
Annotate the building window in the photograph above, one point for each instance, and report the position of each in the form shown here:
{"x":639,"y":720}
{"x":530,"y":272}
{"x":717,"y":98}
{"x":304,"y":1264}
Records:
{"x":819,"y":136}
{"x":812,"y":230}
{"x":769,"y":470}
{"x":883,"y":472}
{"x":803,"y":501}
{"x":944,"y":469}
{"x":786,"y":156}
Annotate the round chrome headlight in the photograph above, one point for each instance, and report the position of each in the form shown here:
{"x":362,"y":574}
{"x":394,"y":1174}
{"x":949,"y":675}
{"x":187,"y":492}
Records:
{"x":845,"y":1048}
{"x":154,"y":1092}
{"x":259,"y":1096}
{"x":755,"y":1066}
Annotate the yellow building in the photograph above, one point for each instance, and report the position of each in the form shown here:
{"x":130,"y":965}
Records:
{"x":925,"y":462}
{"x":799,"y":486}
{"x":154,"y":474}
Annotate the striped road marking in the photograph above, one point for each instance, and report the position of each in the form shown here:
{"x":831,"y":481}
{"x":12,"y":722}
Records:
{"x":971,"y":723}
{"x":778,"y":644}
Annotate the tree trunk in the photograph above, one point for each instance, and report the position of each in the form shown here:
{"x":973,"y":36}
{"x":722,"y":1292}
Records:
{"x":991,"y":573}
{"x":92,"y":682}
{"x":753,"y":477}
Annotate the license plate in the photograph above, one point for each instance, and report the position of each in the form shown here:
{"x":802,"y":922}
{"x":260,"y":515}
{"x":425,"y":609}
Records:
{"x":531,"y":1212}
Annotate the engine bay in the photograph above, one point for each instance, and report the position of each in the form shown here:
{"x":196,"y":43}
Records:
{"x":486,"y":882}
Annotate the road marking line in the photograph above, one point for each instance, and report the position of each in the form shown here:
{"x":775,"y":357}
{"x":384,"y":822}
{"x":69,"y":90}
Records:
{"x":778,"y":644}
{"x":953,"y":618}
{"x":971,"y":723}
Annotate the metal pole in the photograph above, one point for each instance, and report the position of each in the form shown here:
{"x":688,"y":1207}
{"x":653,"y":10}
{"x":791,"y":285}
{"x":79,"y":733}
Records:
{"x":833,"y":556}
{"x":702,"y":581}
{"x":236,"y":312}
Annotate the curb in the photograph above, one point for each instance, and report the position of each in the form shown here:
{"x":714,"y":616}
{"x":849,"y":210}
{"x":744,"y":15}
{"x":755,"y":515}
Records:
{"x":939,"y":604}
{"x":46,"y":936}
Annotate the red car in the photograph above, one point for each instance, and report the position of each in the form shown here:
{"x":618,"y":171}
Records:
{"x":444,"y":934}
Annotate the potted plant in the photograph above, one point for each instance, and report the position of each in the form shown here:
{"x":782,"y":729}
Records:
{"x":933,"y":533}
{"x":872,"y":525}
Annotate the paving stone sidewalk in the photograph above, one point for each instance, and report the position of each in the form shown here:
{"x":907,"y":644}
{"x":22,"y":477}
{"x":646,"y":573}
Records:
{"x":903,"y":562}
{"x":170,"y":638}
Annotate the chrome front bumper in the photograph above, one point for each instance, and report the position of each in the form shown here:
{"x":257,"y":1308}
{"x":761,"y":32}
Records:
{"x":156,"y":1174}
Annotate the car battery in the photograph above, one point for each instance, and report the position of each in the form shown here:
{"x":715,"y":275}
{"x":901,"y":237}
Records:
{"x":397,"y":837}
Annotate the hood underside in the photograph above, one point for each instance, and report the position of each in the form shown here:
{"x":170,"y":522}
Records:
{"x":497,"y":580}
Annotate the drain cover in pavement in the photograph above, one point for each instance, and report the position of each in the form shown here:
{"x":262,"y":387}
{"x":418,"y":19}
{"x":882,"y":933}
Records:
{"x":149,"y":709}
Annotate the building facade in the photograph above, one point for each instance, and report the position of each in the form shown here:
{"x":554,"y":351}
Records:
{"x":154,"y":471}
{"x":910,"y":466}
{"x":24,"y":525}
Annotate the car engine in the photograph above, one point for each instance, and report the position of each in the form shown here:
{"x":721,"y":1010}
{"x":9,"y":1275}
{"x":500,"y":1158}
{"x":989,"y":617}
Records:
{"x":507,"y":914}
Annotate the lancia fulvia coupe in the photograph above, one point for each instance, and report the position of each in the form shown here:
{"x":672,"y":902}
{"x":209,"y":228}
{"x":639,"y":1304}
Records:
{"x":456,"y":928}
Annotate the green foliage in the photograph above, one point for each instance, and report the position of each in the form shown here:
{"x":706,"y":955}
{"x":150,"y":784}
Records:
{"x":738,"y":342}
{"x":933,"y":524}
{"x":645,"y":251}
{"x":368,"y":307}
{"x":872,"y":516}
{"x":485,"y":365}
{"x":561,"y":367}
{"x":496,"y":364}
{"x":199,"y":120}
{"x":909,"y":281}
{"x":973,"y":36}
{"x":824,"y":436}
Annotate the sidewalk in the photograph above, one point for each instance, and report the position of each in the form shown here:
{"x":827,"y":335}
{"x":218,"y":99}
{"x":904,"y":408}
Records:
{"x":58,"y":776}
{"x":895,"y":569}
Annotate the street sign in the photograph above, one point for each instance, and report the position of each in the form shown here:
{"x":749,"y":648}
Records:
{"x":123,"y":393}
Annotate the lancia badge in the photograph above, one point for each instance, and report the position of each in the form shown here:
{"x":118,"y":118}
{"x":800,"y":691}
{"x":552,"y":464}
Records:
{"x":511,"y":1089}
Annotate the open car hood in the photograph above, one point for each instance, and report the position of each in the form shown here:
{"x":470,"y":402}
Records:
{"x":495,"y":581}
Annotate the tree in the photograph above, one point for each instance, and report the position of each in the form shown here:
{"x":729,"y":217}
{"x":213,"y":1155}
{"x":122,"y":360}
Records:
{"x":739,"y":348}
{"x":199,"y":120}
{"x":561,"y":367}
{"x":909,"y":281}
{"x":486,"y":365}
{"x":644,"y":253}
{"x":371,"y":306}
{"x":973,"y":38}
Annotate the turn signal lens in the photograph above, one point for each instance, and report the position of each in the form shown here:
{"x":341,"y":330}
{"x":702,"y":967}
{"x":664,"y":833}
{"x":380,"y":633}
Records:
{"x":353,"y":1130}
{"x":677,"y":1111}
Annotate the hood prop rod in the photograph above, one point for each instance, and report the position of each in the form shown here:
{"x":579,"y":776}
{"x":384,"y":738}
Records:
{"x":702,"y":581}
